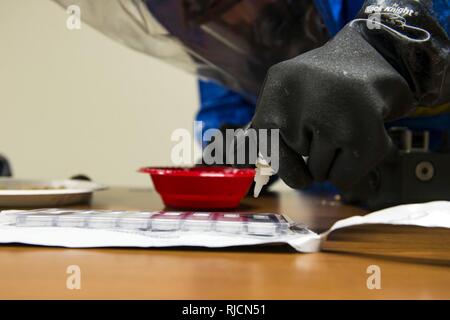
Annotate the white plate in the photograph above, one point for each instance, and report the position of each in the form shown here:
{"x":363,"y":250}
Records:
{"x":20,"y":193}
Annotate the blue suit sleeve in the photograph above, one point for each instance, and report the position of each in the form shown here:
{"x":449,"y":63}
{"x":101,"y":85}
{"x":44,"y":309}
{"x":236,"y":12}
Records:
{"x":336,"y":13}
{"x":221,"y":107}
{"x":442,"y":12}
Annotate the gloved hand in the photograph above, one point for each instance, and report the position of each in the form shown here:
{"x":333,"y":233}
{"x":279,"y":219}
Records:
{"x":330,"y":104}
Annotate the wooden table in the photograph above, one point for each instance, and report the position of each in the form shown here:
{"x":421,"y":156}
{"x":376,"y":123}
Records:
{"x":40,"y":272}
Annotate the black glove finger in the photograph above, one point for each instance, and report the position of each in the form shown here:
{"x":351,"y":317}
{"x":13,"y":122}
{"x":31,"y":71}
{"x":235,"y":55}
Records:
{"x":292,"y":168}
{"x":351,"y":165}
{"x":346,"y":169}
{"x":321,"y":157}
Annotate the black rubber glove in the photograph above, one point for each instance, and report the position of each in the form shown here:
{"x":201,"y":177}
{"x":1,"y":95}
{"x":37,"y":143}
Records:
{"x":330,"y":104}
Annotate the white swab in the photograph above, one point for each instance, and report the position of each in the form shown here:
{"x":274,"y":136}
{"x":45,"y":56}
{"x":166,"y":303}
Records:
{"x":262,"y":176}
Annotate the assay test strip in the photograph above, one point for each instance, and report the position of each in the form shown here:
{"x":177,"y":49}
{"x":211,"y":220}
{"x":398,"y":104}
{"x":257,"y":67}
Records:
{"x":254,"y":224}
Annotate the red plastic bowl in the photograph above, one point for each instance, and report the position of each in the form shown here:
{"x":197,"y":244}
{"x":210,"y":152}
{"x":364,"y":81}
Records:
{"x":201,"y":187}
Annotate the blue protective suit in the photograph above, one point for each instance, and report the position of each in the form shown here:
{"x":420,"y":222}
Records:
{"x":220,"y":106}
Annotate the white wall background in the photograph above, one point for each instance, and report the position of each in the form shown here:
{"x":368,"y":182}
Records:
{"x":77,"y":102}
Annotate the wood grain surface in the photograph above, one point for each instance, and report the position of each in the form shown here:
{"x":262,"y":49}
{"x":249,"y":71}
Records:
{"x":261,"y":273}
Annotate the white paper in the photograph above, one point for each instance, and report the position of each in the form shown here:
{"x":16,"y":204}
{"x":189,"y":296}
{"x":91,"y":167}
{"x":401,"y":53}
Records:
{"x":89,"y":238}
{"x":431,"y":214}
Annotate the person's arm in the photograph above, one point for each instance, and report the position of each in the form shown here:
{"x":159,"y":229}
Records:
{"x":222,"y":108}
{"x":331,"y":103}
{"x":409,"y":35}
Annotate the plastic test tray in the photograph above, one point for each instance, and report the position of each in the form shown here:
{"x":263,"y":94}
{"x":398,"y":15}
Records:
{"x":260,"y":224}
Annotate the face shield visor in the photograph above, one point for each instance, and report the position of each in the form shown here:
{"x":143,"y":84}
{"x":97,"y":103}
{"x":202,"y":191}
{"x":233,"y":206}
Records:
{"x":232,"y":42}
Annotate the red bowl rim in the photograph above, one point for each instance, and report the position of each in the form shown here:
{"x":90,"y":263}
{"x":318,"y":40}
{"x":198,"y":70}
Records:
{"x":199,"y":171}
